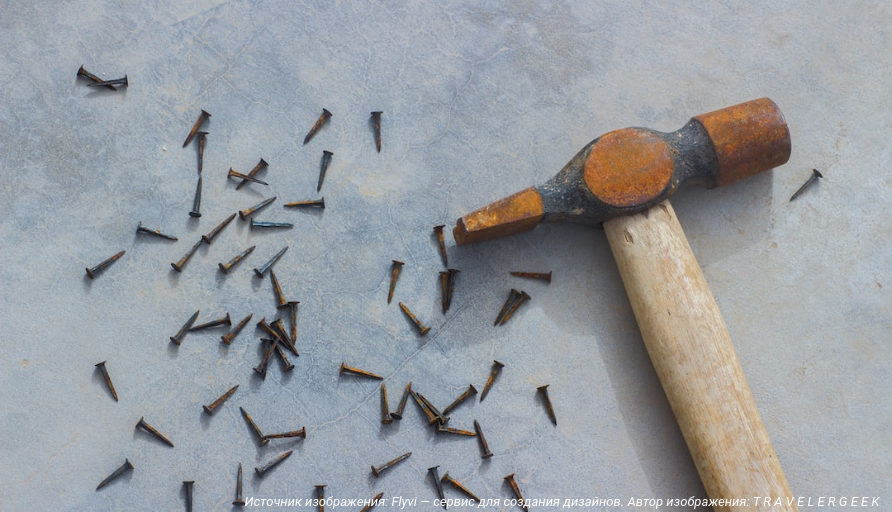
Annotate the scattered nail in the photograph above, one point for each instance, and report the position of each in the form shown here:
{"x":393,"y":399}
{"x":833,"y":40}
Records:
{"x":250,"y":211}
{"x":455,"y":483}
{"x":376,"y":121}
{"x":196,"y":201}
{"x":268,"y":265}
{"x":151,"y":430}
{"x":385,"y":407}
{"x":387,"y":465}
{"x":188,"y":486}
{"x":431,"y":417}
{"x":548,"y":406}
{"x":320,"y":497}
{"x":118,"y":472}
{"x":264,"y":362}
{"x":257,"y":168}
{"x":326,"y":115}
{"x":516,"y":489}
{"x":815,"y":174}
{"x":227,"y":338}
{"x":178,"y":266}
{"x":421,"y":328}
{"x":286,"y":364}
{"x":283,"y":336}
{"x":213,"y":323}
{"x":86,"y":74}
{"x":457,"y":431}
{"x":235,"y":174}
{"x":209,"y":409}
{"x":108,"y":382}
{"x":439,"y":232}
{"x":450,"y":286}
{"x":508,"y":302}
{"x":524,"y":296}
{"x":293,"y":304}
{"x":435,"y":474}
{"x":395,"y":270}
{"x":254,"y":426}
{"x":483,"y":444}
{"x":116,"y":81}
{"x":444,"y":289}
{"x":208,"y":238}
{"x":398,"y":413}
{"x":534,"y":275}
{"x":92,"y":272}
{"x":178,"y":338}
{"x":496,"y":368}
{"x":201,"y":119}
{"x":357,"y":371}
{"x":374,"y":502}
{"x":323,"y":168}
{"x":265,"y":224}
{"x":302,"y":433}
{"x":438,"y":416}
{"x":320,"y":203}
{"x":202,"y":140}
{"x":281,"y":303}
{"x":156,"y":232}
{"x":273,"y":463}
{"x":239,"y":498}
{"x":224,"y":267}
{"x":461,"y":398}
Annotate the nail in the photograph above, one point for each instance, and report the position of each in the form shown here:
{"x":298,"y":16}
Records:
{"x":510,"y":479}
{"x":450,"y":288}
{"x":156,"y":232}
{"x":548,"y":406}
{"x":227,"y":338}
{"x":320,"y":497}
{"x":188,"y":485}
{"x":496,"y":368}
{"x":283,"y":336}
{"x":281,"y":303}
{"x":323,"y":168}
{"x":287,"y":364}
{"x":437,"y":415}
{"x":302,"y":433}
{"x":236,"y":174}
{"x":202,"y":140}
{"x":178,"y":338}
{"x":250,"y":211}
{"x":483,"y":444}
{"x":264,"y":362}
{"x":533,"y":275}
{"x":421,"y":328}
{"x":511,"y":298}
{"x":326,"y":115}
{"x":260,"y":165}
{"x":395,"y":270}
{"x":268,"y":265}
{"x":357,"y":371}
{"x":457,"y":431}
{"x":444,"y":289}
{"x":116,"y":81}
{"x":209,"y":409}
{"x":254,"y":426}
{"x":376,"y":121}
{"x":455,"y":483}
{"x":371,"y":505}
{"x":387,"y":465}
{"x":293,"y":304}
{"x":518,"y":301}
{"x":86,"y":74}
{"x":151,"y":430}
{"x":273,"y":463}
{"x":320,"y":203}
{"x":439,"y":231}
{"x":264,"y":224}
{"x":178,"y":266}
{"x":208,"y":238}
{"x":239,"y":498}
{"x":213,"y":323}
{"x":431,"y":417}
{"x":108,"y":382}
{"x":118,"y":472}
{"x":435,"y":474}
{"x":268,"y":328}
{"x":385,"y":407}
{"x":196,"y":201}
{"x":224,"y":267}
{"x":398,"y":414}
{"x":815,"y":174}
{"x":201,"y":119}
{"x":461,"y":398}
{"x":92,"y":272}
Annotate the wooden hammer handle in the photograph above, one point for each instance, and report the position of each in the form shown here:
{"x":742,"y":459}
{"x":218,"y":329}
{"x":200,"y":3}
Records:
{"x":692,"y":353}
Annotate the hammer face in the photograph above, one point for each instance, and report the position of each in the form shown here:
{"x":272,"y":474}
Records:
{"x":516,"y":213}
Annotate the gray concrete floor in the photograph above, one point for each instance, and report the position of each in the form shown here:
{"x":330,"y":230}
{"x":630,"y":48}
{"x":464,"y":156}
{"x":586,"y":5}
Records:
{"x":479,"y":101}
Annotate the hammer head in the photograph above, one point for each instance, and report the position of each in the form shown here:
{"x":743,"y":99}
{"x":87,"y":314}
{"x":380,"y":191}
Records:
{"x":628,"y":171}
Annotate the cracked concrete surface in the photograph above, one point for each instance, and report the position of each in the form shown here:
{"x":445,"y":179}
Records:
{"x":479,"y":101}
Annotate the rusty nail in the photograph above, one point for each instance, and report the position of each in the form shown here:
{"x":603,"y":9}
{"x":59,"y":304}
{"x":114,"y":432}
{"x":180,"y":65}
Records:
{"x":398,"y":413}
{"x":152,"y":430}
{"x":279,"y":332}
{"x":188,"y":486}
{"x":395,"y":270}
{"x":201,"y":119}
{"x":202,"y":140}
{"x":435,"y":474}
{"x":372,"y":504}
{"x":239,"y":498}
{"x":508,"y":302}
{"x":92,"y":272}
{"x":254,"y":426}
{"x":524,"y":296}
{"x":257,"y":168}
{"x":273,"y":463}
{"x":208,"y":238}
{"x":127,"y":466}
{"x":86,"y":74}
{"x":386,"y":418}
{"x":376,"y":122}
{"x":293,"y":304}
{"x":387,"y":465}
{"x":534,"y":275}
{"x":308,"y":204}
{"x":320,"y":497}
{"x":461,"y":398}
{"x":457,"y":431}
{"x":437,"y":415}
{"x":496,"y":368}
{"x":224,"y":267}
{"x":455,"y":483}
{"x":421,"y":328}
{"x":116,"y":81}
{"x":227,"y":338}
{"x":243,"y":214}
{"x":450,"y":288}
{"x":357,"y":371}
{"x":108,"y":382}
{"x":444,"y":289}
{"x":483,"y":444}
{"x":302,"y":433}
{"x":213,"y":323}
{"x":281,"y":303}
{"x":264,"y":362}
{"x":326,"y":115}
{"x":178,"y":338}
{"x":815,"y":174}
{"x":209,"y":409}
{"x":268,"y":265}
{"x":432,"y":418}
{"x":287,"y":363}
{"x":439,"y":232}
{"x":548,"y":406}
{"x":323,"y":168}
{"x":196,"y":201}
{"x":266,"y":224}
{"x":155,"y":232}
{"x":178,"y":266}
{"x":235,"y":174}
{"x":516,"y":489}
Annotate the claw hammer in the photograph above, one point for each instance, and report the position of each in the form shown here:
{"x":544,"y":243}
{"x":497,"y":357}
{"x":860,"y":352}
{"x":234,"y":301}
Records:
{"x":623,"y":180}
